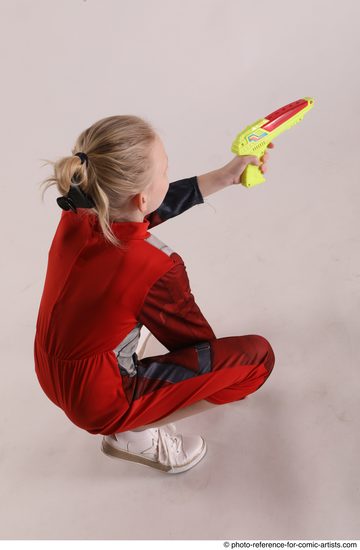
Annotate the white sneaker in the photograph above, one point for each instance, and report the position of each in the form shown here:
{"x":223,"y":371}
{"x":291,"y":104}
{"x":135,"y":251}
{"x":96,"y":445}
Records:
{"x":156,"y":447}
{"x":171,"y":428}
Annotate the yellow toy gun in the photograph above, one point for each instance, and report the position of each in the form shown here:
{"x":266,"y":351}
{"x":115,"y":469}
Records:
{"x":256,"y":137}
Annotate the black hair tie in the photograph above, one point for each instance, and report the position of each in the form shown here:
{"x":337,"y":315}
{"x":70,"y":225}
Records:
{"x":84,"y":158}
{"x":76,"y":197}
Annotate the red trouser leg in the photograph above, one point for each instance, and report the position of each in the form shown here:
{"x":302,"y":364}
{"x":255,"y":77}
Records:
{"x":221,"y":370}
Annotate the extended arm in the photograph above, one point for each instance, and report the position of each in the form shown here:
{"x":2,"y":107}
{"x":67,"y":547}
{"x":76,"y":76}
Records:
{"x":181,"y":195}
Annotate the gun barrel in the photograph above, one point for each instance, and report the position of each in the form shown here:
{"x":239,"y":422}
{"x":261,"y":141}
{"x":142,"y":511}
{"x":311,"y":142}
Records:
{"x":278,"y":117}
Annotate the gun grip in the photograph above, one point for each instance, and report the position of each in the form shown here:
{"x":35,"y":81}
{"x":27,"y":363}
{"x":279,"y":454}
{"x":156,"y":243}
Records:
{"x":251,"y":176}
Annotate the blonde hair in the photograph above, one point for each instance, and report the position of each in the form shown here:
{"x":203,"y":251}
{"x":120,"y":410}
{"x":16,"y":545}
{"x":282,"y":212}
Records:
{"x":119,"y":166}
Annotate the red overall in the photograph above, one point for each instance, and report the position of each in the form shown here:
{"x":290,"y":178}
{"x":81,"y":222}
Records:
{"x":95,"y":299}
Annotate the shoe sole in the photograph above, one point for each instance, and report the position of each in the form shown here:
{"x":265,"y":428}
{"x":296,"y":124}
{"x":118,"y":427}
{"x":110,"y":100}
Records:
{"x":111,"y":451}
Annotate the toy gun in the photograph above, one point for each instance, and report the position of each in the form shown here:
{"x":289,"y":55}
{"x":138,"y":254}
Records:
{"x":256,"y":137}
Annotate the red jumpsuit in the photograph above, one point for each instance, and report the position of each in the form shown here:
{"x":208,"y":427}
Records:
{"x":95,"y":299}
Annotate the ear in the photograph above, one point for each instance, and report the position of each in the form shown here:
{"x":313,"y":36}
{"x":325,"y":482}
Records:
{"x":139,"y":201}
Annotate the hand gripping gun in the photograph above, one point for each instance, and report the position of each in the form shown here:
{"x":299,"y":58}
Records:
{"x":256,"y":137}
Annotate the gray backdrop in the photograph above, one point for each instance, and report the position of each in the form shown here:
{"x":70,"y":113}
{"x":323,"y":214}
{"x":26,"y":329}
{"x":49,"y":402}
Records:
{"x":280,"y":260}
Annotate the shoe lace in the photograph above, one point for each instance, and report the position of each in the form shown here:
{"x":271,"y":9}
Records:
{"x":166,"y":443}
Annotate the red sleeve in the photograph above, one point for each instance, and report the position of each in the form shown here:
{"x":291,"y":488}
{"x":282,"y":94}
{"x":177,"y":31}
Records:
{"x":170,"y":312}
{"x":181,"y":195}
